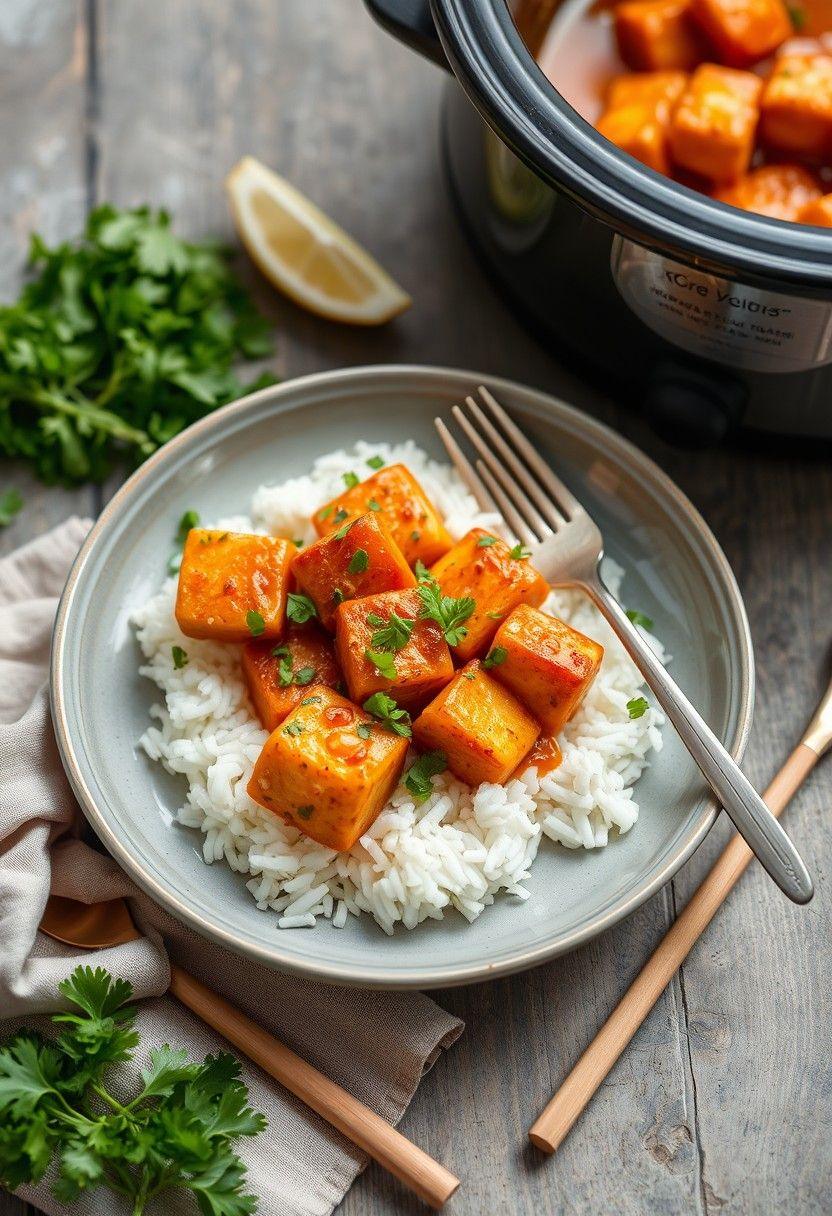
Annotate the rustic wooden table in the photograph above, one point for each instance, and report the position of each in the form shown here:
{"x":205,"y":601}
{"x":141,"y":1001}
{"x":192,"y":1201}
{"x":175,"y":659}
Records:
{"x":722,"y":1103}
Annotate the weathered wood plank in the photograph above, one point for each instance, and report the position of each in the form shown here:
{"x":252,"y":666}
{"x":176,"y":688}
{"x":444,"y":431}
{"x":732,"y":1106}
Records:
{"x":43,"y":150}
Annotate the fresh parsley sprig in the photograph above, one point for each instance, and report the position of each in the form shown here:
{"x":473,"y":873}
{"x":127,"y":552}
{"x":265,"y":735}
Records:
{"x":392,"y":634}
{"x":449,"y":613}
{"x":177,"y":1133}
{"x":120,"y":340}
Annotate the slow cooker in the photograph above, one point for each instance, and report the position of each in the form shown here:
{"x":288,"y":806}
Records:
{"x":706,"y":316}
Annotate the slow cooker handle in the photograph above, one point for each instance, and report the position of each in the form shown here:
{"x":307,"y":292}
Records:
{"x":411,"y":22}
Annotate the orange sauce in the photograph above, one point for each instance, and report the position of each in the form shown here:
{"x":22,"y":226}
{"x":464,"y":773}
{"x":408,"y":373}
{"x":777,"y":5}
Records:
{"x":544,"y":756}
{"x":346,"y":746}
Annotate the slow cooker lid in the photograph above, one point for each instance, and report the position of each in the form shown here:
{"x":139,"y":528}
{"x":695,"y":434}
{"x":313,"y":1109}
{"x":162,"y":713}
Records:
{"x":493,"y":65}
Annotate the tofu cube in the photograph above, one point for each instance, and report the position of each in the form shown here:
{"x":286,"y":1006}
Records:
{"x":422,"y":665}
{"x":796,"y":105}
{"x":548,"y":665}
{"x":360,"y":558}
{"x":224,"y":576}
{"x":712,"y":128}
{"x":328,"y":769}
{"x":278,"y":677}
{"x":658,"y":35}
{"x":482,"y":728}
{"x":394,"y":492}
{"x":481,"y":566}
{"x":781,"y":191}
{"x":743,"y":31}
{"x":637,"y":117}
{"x":818,"y":213}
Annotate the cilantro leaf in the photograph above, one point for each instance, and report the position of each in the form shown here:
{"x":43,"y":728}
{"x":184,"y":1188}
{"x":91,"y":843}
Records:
{"x":639,"y":618}
{"x":418,"y":776}
{"x":519,"y":552}
{"x":383,"y":662}
{"x":180,"y":657}
{"x":350,"y":479}
{"x":375,"y":462}
{"x":387,"y":712}
{"x":638,"y":707}
{"x":255,"y":623}
{"x":300,"y":608}
{"x":494,"y":657}
{"x":392,"y":635}
{"x":449,"y":613}
{"x":359,"y":562}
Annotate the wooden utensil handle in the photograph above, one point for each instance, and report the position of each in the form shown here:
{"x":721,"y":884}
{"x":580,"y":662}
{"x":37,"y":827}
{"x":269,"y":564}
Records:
{"x":430,"y":1180}
{"x":593,"y":1067}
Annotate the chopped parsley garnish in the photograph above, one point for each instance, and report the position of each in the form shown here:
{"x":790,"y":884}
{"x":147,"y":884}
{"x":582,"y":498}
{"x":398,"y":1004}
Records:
{"x":310,"y":700}
{"x":414,"y":536}
{"x":10,"y":504}
{"x":495,"y":616}
{"x":388,"y":713}
{"x":350,"y":479}
{"x":393,"y":634}
{"x":375,"y":462}
{"x":300,"y":608}
{"x":340,"y":515}
{"x":519,"y":552}
{"x":383,"y":662}
{"x":180,"y":657}
{"x":255,"y":623}
{"x":325,"y":512}
{"x":298,"y":543}
{"x":284,"y":669}
{"x":496,"y":656}
{"x":418,"y":777}
{"x":189,"y":520}
{"x":342,"y":532}
{"x":422,"y":573}
{"x":469,"y":675}
{"x":359,"y":562}
{"x":305,"y":675}
{"x":798,"y":18}
{"x":337,"y":596}
{"x":374,"y":504}
{"x":449,"y":613}
{"x":294,"y":728}
{"x":305,"y":812}
{"x":638,"y":707}
{"x":63,"y":1110}
{"x":279,"y":650}
{"x":485,"y":542}
{"x":364,"y":730}
{"x":639,"y":618}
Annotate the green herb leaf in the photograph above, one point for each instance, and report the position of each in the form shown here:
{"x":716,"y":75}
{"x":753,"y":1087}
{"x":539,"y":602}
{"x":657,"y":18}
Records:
{"x":373,"y":504}
{"x":305,"y":812}
{"x":189,"y":520}
{"x":294,"y":728}
{"x":298,"y":543}
{"x":120,"y":339}
{"x":485,"y":542}
{"x":375,"y":462}
{"x":639,"y":618}
{"x":422,"y":573}
{"x":285,"y":673}
{"x":418,"y":776}
{"x":325,"y":512}
{"x":180,"y":657}
{"x":364,"y":730}
{"x":359,"y":562}
{"x":10,"y":503}
{"x":495,"y":616}
{"x":798,"y":18}
{"x":496,"y":656}
{"x":638,"y":707}
{"x":342,"y":532}
{"x":255,"y":623}
{"x":386,"y":710}
{"x":384,"y":663}
{"x":305,"y":675}
{"x":391,"y":635}
{"x":310,"y":700}
{"x":337,"y":596}
{"x":449,"y":613}
{"x":519,"y":552}
{"x":350,"y":479}
{"x":414,"y":536}
{"x":299,"y":608}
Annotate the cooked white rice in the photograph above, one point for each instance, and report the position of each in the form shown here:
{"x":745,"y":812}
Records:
{"x":460,"y":847}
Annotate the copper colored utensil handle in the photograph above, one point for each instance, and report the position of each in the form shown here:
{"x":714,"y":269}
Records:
{"x":430,"y":1180}
{"x":595,"y":1064}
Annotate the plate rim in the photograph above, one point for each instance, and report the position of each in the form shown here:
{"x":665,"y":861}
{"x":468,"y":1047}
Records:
{"x":433,"y":976}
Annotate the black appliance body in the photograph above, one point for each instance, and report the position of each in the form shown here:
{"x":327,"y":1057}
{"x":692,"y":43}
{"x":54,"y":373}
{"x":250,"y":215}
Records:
{"x":710,"y":318}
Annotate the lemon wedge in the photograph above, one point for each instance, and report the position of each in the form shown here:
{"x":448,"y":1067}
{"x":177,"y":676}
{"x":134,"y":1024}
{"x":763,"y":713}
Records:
{"x":303,"y":253}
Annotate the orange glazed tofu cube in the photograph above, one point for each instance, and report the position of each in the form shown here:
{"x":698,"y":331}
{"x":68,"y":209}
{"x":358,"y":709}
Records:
{"x":233,"y":586}
{"x":743,"y":31}
{"x":818,"y":213}
{"x":713,"y":125}
{"x":278,"y":677}
{"x":656,"y":35}
{"x":796,"y":106}
{"x":360,"y":558}
{"x":328,"y":769}
{"x":414,"y":522}
{"x":482,"y":566}
{"x":637,"y":117}
{"x":547,"y":664}
{"x":422,"y":661}
{"x":781,"y":191}
{"x":482,"y":728}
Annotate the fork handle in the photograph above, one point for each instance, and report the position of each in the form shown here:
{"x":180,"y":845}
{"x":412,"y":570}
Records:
{"x":749,"y":814}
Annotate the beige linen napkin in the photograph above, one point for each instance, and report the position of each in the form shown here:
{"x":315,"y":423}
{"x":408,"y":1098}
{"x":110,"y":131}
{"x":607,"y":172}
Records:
{"x":376,"y":1044}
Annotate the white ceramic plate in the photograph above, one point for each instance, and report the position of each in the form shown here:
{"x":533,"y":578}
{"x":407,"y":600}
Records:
{"x":675,"y":572}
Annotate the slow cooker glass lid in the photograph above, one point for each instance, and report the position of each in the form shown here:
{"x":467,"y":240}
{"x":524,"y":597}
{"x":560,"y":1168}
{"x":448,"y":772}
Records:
{"x":501,"y":77}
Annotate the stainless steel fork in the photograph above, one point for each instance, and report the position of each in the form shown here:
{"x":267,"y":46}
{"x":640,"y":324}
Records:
{"x":566,"y":546}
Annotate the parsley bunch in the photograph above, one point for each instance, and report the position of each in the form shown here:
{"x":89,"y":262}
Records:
{"x":177,"y":1131}
{"x":120,"y":340}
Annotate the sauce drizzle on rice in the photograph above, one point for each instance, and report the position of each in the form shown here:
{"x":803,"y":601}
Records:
{"x":461,"y":847}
